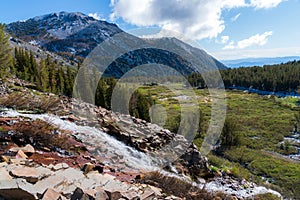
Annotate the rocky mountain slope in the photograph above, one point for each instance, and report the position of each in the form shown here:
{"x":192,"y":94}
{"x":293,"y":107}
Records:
{"x":40,"y":53}
{"x":70,"y":33}
{"x":50,"y":151}
{"x":75,"y":35}
{"x":250,"y":62}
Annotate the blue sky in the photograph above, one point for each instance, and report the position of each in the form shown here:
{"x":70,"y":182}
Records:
{"x":227,"y":29}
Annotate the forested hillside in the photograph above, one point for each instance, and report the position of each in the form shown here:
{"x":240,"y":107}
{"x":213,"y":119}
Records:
{"x":283,"y":77}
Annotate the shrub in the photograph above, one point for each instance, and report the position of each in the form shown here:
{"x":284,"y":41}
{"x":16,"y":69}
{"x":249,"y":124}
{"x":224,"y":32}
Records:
{"x":39,"y":134}
{"x":179,"y":187}
{"x":21,"y":101}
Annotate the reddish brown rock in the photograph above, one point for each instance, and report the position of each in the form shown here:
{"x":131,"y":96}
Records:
{"x":4,"y":159}
{"x":131,"y":195}
{"x":16,"y":193}
{"x":32,"y":175}
{"x":147,"y":195}
{"x":88,"y":167}
{"x":51,"y":194}
{"x":101,"y":194}
{"x":28,"y":149}
{"x":113,"y":194}
{"x":21,"y":155}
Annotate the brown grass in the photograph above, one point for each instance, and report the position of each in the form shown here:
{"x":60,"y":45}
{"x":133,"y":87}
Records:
{"x":39,"y":134}
{"x":40,"y":103}
{"x":178,"y":187}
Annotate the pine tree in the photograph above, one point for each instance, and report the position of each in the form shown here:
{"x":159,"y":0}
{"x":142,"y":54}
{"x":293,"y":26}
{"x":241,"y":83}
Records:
{"x":111,"y":82}
{"x":26,"y":65}
{"x":69,"y":81}
{"x":100,"y":94}
{"x":5,"y":53}
{"x":32,"y":67}
{"x":229,"y":136}
{"x":43,"y":81}
{"x":22,"y":64}
{"x":139,"y":106}
{"x":52,"y":72}
{"x":60,"y":81}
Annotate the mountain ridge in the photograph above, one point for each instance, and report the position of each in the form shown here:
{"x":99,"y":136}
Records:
{"x":54,"y":32}
{"x":75,"y":35}
{"x":249,"y":62}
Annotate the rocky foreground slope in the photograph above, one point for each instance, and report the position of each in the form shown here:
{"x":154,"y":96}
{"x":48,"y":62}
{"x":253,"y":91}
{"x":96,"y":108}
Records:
{"x":50,"y":150}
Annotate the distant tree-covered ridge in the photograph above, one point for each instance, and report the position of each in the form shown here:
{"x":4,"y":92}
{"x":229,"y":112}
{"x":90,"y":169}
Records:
{"x":283,"y":77}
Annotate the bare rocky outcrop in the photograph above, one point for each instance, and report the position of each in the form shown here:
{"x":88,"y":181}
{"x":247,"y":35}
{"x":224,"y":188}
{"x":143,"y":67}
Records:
{"x":63,"y":163}
{"x":24,"y":182}
{"x":143,"y":136}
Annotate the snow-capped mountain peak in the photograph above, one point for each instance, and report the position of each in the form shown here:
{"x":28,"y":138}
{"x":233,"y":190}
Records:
{"x":64,"y":32}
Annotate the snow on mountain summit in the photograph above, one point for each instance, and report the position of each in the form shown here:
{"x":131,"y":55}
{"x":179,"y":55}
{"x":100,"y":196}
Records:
{"x":64,"y":32}
{"x":74,"y":35}
{"x":58,"y":25}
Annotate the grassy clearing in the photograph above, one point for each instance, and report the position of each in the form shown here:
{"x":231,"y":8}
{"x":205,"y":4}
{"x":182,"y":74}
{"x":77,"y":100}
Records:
{"x":266,"y":166}
{"x":262,"y":123}
{"x":291,"y":102}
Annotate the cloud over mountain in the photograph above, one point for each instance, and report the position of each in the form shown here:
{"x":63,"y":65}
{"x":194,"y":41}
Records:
{"x":96,"y":16}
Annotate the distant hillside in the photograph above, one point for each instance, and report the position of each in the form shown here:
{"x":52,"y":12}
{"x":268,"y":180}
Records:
{"x":249,"y":62}
{"x":75,"y":35}
{"x":282,"y":79}
{"x":40,"y":53}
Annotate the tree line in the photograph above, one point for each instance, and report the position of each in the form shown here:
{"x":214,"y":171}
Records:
{"x":284,"y":77}
{"x":47,"y":76}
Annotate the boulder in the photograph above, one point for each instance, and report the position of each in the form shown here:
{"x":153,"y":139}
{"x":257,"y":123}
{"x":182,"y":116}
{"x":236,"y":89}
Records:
{"x":21,"y":155}
{"x":88,"y":167}
{"x":31,"y":175}
{"x":148,"y":194}
{"x":92,"y":194}
{"x":4,"y":159}
{"x":50,"y":182}
{"x":101,"y":194}
{"x":28,"y":149}
{"x":99,"y":168}
{"x":4,"y":177}
{"x":16,"y":193}
{"x":113,"y":194}
{"x":51,"y":194}
{"x":79,"y":195}
{"x":131,"y":195}
{"x":60,"y":166}
{"x":18,"y":161}
{"x":64,"y":181}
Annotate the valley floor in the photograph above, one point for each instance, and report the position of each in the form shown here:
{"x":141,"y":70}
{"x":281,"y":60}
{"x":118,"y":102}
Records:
{"x":268,"y":146}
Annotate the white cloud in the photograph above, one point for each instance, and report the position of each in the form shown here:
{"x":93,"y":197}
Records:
{"x":229,"y":46}
{"x":256,"y":53}
{"x":255,"y":40}
{"x":196,"y":19}
{"x":224,"y":39}
{"x":233,"y":19}
{"x":96,"y":16}
{"x":265,"y":4}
